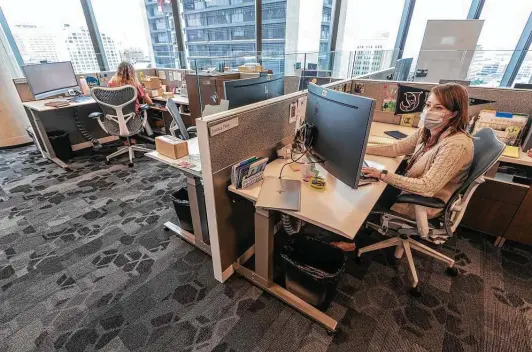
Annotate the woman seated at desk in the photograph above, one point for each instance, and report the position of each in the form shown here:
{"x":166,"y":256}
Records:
{"x":442,"y":152}
{"x":125,"y":75}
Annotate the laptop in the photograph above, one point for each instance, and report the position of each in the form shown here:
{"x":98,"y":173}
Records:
{"x":280,"y":194}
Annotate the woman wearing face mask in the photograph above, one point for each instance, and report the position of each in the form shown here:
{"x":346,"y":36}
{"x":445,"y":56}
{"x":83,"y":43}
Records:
{"x":442,"y":152}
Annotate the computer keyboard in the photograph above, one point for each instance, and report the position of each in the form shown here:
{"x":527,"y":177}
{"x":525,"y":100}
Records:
{"x":380,"y":140}
{"x":79,"y":99}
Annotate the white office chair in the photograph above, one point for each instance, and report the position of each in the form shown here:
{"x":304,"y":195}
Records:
{"x":119,"y":117}
{"x":487,"y":150}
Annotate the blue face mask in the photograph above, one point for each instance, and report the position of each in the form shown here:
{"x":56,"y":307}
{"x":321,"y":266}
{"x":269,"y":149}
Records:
{"x":431,"y":119}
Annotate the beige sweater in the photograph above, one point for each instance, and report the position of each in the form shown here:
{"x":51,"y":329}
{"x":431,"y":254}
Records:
{"x":436,"y":173}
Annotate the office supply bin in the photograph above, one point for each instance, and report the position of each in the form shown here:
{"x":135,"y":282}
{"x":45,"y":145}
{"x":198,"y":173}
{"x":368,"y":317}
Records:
{"x":182,"y":209}
{"x":61,"y":143}
{"x":312,"y":270}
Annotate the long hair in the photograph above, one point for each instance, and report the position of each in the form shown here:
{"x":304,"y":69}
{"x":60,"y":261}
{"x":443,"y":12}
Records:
{"x":125,"y":74}
{"x":454,"y":98}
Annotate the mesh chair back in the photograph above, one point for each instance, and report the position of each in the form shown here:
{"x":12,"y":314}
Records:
{"x":174,"y":111}
{"x":487,"y":150}
{"x":118,"y":105}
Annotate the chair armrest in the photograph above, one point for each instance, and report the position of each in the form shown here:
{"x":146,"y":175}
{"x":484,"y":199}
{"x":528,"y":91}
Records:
{"x":430,"y":202}
{"x":95,"y":115}
{"x":144,"y":107}
{"x":192,"y":129}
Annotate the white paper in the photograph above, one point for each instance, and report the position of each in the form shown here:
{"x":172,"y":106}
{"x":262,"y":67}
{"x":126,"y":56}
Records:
{"x":292,"y":113}
{"x":162,"y":74}
{"x":178,"y":76}
{"x":214,"y":109}
{"x":301,"y":108}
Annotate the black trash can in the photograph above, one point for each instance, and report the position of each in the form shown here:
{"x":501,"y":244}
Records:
{"x":182,"y":209}
{"x":61,"y":144}
{"x":312,"y":270}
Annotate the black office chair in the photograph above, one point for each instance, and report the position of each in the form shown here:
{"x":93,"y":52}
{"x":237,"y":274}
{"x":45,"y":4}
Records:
{"x":178,"y":124}
{"x":119,"y":117}
{"x":487,"y":150}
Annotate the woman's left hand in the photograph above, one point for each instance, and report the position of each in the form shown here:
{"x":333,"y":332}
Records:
{"x":371,"y":172}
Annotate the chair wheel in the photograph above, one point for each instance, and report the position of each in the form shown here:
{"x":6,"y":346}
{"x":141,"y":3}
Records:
{"x":332,"y":332}
{"x":415,"y":291}
{"x":452,"y":271}
{"x":358,"y":260}
{"x":166,"y":229}
{"x":130,"y":164}
{"x":107,"y":161}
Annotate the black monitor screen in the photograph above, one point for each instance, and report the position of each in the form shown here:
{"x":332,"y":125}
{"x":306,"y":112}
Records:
{"x":242,"y":92}
{"x":45,"y":78}
{"x":342,"y":122}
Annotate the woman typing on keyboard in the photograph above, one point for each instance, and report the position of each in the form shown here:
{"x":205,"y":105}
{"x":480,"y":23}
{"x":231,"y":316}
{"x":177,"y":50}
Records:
{"x":441,"y":149}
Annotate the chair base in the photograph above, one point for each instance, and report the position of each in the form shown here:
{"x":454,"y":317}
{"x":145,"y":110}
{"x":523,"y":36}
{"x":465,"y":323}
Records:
{"x":130,"y":149}
{"x":405,"y":245}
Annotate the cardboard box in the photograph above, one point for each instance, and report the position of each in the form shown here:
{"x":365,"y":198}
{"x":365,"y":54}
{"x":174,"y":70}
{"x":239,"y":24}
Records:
{"x":152,"y":93}
{"x":151,"y":82}
{"x":171,"y":147}
{"x":168,"y":94}
{"x":250,"y":68}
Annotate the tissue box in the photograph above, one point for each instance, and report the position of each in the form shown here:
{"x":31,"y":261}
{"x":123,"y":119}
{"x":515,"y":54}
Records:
{"x":151,"y":82}
{"x":171,"y":147}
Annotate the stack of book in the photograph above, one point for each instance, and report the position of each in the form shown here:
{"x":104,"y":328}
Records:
{"x":248,"y":172}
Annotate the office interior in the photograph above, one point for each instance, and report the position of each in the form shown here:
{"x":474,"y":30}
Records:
{"x":139,"y":227}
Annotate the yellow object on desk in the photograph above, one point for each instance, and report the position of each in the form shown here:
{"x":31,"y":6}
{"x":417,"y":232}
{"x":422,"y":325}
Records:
{"x":511,"y":152}
{"x":380,"y":140}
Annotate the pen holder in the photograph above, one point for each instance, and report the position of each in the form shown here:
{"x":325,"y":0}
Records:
{"x":250,"y":180}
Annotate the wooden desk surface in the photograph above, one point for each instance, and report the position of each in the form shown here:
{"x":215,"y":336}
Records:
{"x":38,"y":105}
{"x":337,"y":208}
{"x":193,"y":158}
{"x":177,"y":98}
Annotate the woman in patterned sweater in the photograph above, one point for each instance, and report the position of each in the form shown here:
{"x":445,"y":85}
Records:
{"x":442,"y":152}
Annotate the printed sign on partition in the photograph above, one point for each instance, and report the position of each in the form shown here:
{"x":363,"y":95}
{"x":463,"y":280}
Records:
{"x":224,"y":126}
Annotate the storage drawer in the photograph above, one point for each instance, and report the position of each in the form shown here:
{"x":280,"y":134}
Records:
{"x":510,"y":193}
{"x":489,"y":216}
{"x":520,"y":229}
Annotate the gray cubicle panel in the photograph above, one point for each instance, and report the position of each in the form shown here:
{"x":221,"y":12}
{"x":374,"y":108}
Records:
{"x":499,"y":99}
{"x":262,"y":128}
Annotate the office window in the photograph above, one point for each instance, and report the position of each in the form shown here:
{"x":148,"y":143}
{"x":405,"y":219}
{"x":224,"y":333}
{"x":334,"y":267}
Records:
{"x":425,"y":10}
{"x":227,"y":21}
{"x":127,"y":37}
{"x":524,"y":75}
{"x":49,"y":31}
{"x":504,"y":22}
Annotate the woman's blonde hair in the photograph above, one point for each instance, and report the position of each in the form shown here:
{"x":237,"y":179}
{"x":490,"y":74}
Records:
{"x":125,"y":74}
{"x":454,"y":98}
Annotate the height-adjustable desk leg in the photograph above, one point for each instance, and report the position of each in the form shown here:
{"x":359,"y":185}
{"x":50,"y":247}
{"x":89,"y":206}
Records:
{"x":263,"y":274}
{"x":48,"y":151}
{"x":197,"y":209}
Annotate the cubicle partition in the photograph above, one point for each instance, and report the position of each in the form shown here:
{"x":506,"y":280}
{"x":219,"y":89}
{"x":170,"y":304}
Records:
{"x":226,"y":138}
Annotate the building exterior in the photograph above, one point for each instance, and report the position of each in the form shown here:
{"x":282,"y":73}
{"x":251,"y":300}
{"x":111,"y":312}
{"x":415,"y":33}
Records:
{"x":370,"y":55}
{"x":111,"y":51}
{"x":325,"y":34}
{"x":162,"y":33}
{"x":79,"y":47}
{"x":36,"y":43}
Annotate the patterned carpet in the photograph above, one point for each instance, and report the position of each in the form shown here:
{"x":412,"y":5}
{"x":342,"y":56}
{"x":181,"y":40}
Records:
{"x":85,"y":265}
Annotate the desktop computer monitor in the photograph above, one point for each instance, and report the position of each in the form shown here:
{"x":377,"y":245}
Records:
{"x":523,"y":86}
{"x":341,"y":124}
{"x":47,"y":80}
{"x":402,"y":69}
{"x":241,"y":92}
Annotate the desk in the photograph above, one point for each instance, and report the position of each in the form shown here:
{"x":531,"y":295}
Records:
{"x":338,"y":208}
{"x":200,"y":237}
{"x":180,"y":102}
{"x":34,"y":109}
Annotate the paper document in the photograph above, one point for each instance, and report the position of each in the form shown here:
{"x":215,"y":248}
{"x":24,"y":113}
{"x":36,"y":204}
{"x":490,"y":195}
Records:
{"x":162,"y":74}
{"x":214,"y":109}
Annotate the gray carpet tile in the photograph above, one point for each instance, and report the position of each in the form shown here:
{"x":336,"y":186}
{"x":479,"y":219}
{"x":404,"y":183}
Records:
{"x":85,"y":264}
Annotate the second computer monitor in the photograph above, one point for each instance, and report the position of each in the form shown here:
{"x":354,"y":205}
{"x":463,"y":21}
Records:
{"x":341,"y":124}
{"x":242,"y":92}
{"x":50,"y":79}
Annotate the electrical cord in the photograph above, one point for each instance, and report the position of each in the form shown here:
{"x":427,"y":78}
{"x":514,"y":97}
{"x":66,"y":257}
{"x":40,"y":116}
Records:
{"x":96,"y":143}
